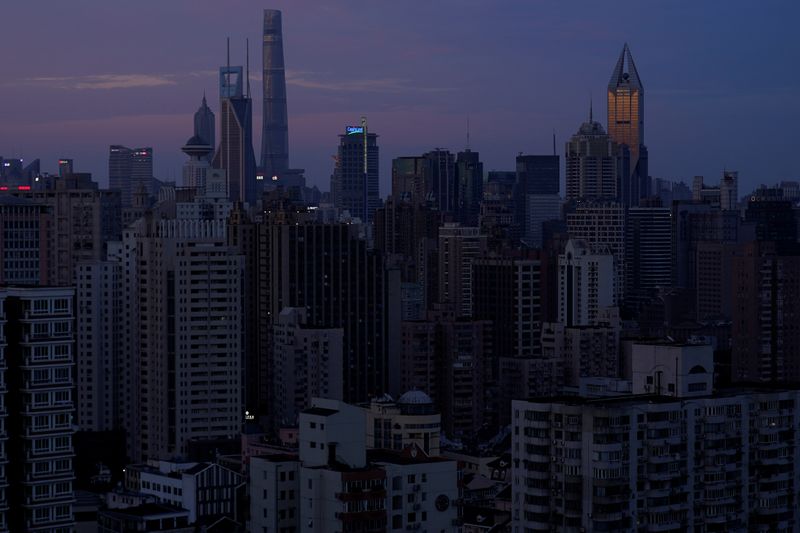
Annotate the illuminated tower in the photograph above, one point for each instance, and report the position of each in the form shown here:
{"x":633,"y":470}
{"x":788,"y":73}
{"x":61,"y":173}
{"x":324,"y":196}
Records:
{"x":626,"y":125}
{"x":275,"y":133}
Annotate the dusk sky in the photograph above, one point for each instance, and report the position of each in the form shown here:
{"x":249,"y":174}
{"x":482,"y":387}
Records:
{"x":721,"y":79}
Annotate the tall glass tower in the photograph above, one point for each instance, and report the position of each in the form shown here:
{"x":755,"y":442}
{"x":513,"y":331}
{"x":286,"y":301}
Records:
{"x":626,"y":124}
{"x":275,"y":134}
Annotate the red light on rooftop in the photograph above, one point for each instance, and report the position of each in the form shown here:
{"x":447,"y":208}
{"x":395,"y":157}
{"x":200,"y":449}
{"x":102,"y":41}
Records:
{"x":23,"y":188}
{"x":3,"y":188}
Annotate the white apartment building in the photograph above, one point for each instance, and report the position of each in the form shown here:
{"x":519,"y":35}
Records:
{"x":585,"y":283}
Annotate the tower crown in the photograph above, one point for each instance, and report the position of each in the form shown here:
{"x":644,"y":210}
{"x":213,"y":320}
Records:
{"x":625,"y":73}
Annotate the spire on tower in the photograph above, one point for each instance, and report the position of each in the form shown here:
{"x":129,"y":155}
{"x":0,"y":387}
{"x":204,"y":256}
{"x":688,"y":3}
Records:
{"x":625,"y":71}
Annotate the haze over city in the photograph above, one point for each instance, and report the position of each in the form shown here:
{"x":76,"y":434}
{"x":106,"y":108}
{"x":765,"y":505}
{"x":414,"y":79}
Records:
{"x":721,"y":79}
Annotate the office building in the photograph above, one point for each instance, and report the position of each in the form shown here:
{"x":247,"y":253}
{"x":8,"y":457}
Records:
{"x":128,"y":170}
{"x":355,"y":179}
{"x":37,"y":345}
{"x":585,"y":283}
{"x":408,"y":179}
{"x":440,"y":180}
{"x":205,"y":128}
{"x":25,"y":229}
{"x":626,"y":127}
{"x":275,"y":126}
{"x":648,"y":252}
{"x":84,"y":220}
{"x":595,"y":164}
{"x":539,"y":208}
{"x":329,"y":270}
{"x":308,"y":364}
{"x":469,"y":179}
{"x":536,"y":175}
{"x":235,"y":152}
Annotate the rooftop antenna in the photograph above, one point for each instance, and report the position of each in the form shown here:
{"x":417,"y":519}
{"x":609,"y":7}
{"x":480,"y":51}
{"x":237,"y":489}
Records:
{"x":590,"y":108}
{"x":247,"y":62}
{"x":467,"y":132}
{"x":554,"y":141}
{"x":228,"y":65}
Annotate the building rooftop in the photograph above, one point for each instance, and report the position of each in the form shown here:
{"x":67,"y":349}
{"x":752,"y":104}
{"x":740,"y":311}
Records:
{"x":320,"y":411}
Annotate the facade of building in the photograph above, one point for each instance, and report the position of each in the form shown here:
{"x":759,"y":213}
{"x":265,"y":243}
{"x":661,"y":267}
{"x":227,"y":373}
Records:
{"x":397,"y":425}
{"x":128,"y":170}
{"x":648,"y":249}
{"x":235,"y":152}
{"x":25,"y":227}
{"x":308,"y":364}
{"x":585,"y":284}
{"x":626,"y":127}
{"x":336,"y":484}
{"x":184,"y":299}
{"x":275,"y":126}
{"x":36,"y":451}
{"x":458,"y":247}
{"x":469,"y":179}
{"x":355,"y":180}
{"x":594,"y":164}
{"x":205,"y":127}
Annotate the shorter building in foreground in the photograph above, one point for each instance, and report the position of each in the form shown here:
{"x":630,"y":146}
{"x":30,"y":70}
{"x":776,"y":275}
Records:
{"x":335,"y":483}
{"x":206,"y":492}
{"x":676,"y":458}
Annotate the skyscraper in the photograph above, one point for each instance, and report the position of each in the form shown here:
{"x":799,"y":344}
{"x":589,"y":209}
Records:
{"x":205,"y":127}
{"x":130,"y":169}
{"x":469,"y":177}
{"x":235,"y":153}
{"x":354,"y":183}
{"x":595,"y":164}
{"x":626,"y":124}
{"x":275,"y":133}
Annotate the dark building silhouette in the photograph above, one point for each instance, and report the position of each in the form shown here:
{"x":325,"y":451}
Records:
{"x":355,"y":179}
{"x":469,"y":178}
{"x":235,"y":152}
{"x":275,"y":129}
{"x":205,"y":127}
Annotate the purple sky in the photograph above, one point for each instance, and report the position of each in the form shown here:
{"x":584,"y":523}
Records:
{"x":721,"y":80}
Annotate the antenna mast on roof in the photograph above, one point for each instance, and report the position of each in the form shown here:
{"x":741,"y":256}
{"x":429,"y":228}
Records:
{"x":247,"y":62}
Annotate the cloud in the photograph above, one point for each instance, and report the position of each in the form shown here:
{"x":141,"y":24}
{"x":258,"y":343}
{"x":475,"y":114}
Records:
{"x":102,"y":81}
{"x":383,"y":85}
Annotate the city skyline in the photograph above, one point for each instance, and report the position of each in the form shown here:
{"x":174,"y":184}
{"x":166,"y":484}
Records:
{"x":417,"y":81}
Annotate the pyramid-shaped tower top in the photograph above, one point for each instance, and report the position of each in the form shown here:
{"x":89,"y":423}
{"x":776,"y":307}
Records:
{"x":625,"y":73}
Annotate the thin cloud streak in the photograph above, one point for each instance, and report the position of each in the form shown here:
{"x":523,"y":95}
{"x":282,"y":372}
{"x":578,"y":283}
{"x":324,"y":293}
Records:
{"x":102,"y":81}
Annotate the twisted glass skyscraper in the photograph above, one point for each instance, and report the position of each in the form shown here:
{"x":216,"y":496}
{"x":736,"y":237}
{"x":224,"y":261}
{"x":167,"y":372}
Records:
{"x":275,"y":135}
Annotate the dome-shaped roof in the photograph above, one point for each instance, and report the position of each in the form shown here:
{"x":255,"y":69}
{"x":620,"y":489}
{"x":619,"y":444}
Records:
{"x":415,"y":397}
{"x":591,"y":128}
{"x":196,"y":140}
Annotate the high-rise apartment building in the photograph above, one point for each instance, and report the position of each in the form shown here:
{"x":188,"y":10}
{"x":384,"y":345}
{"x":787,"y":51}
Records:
{"x":37,"y":348}
{"x":626,"y":126}
{"x":275,"y":128}
{"x":585,"y":283}
{"x":766,"y":310}
{"x":602,"y":226}
{"x":458,"y":247}
{"x":102,"y":395}
{"x":308,"y":364}
{"x":184,"y":301}
{"x":235,"y":152}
